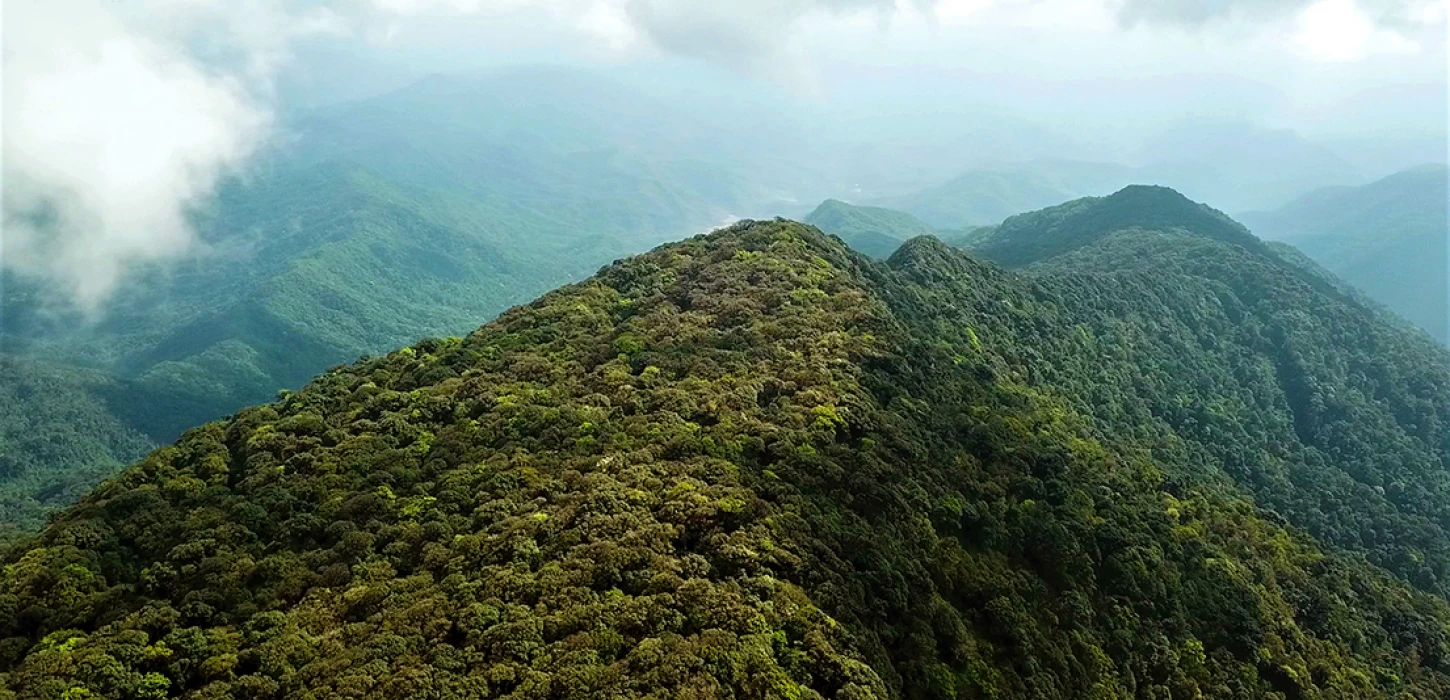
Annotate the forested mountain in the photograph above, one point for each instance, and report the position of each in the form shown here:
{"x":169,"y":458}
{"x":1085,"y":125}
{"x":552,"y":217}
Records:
{"x":412,"y":214}
{"x":307,"y":268}
{"x":874,"y":231}
{"x":1040,"y":235}
{"x":420,"y":212}
{"x":1159,"y":462}
{"x":1390,"y":238}
{"x":1327,"y":410}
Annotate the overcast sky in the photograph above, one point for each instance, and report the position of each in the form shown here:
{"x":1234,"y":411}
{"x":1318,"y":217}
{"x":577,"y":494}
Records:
{"x":1324,"y":66}
{"x":121,"y":114}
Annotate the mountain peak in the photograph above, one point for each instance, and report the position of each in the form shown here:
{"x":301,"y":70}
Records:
{"x":1154,"y":194}
{"x":1036,"y":236}
{"x":924,"y":252}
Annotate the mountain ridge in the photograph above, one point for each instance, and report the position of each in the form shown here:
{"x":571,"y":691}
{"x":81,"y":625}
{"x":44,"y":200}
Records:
{"x":754,"y":464}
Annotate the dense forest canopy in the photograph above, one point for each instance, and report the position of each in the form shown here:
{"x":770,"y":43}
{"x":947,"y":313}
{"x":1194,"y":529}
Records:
{"x":436,"y":349}
{"x":1390,"y":238}
{"x":61,"y":432}
{"x":1162,"y":461}
{"x":426,"y":209}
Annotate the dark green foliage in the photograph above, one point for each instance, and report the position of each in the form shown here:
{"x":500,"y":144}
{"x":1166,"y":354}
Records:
{"x":1039,"y":235}
{"x":59,"y":436}
{"x":749,"y":465}
{"x":1388,"y":238}
{"x":874,"y":231}
{"x":1243,"y":365}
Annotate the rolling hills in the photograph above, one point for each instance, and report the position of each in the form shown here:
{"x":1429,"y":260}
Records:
{"x":1234,"y":165}
{"x":1162,"y":461}
{"x":986,"y":196}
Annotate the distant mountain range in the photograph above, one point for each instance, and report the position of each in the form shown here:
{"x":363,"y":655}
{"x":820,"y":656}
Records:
{"x":426,"y":210}
{"x":1235,"y":166}
{"x":412,"y":214}
{"x":1390,"y":238}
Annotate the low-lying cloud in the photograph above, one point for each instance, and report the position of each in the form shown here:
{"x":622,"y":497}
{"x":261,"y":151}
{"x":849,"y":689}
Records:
{"x":119,"y":119}
{"x":109,"y":136}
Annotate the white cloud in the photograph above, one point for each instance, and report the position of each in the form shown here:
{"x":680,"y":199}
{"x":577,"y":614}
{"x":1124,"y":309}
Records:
{"x":109,"y":137}
{"x":609,"y":23}
{"x":119,"y":119}
{"x":1339,"y":31}
{"x":1075,"y":14}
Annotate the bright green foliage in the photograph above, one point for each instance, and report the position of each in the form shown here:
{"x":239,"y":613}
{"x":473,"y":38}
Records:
{"x":1388,"y":238}
{"x":874,"y":231}
{"x":749,"y":465}
{"x":312,"y":267}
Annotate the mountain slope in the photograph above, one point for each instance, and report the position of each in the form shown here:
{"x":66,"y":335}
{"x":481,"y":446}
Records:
{"x":410,"y":214}
{"x":1263,"y":370}
{"x":60,"y":434}
{"x":301,"y":269}
{"x":751,"y":464}
{"x":1388,"y":238}
{"x":306,"y":268}
{"x":414,"y":213}
{"x":874,"y":231}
